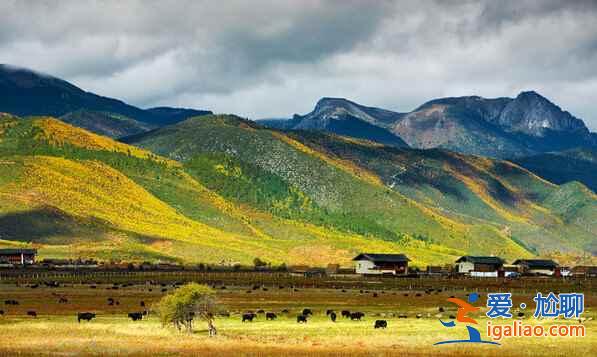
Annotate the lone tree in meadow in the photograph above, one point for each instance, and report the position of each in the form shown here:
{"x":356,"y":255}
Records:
{"x":189,"y":302}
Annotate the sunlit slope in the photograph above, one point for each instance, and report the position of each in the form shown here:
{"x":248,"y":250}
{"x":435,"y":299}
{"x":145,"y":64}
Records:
{"x":87,"y":196}
{"x":471,"y":189}
{"x":279,"y":174}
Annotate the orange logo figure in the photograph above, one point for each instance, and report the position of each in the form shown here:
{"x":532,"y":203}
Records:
{"x":463,"y":309}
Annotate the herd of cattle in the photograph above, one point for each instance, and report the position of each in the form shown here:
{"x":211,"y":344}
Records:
{"x":248,"y":316}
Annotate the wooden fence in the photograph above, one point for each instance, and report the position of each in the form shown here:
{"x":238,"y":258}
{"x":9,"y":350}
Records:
{"x":276,"y":279}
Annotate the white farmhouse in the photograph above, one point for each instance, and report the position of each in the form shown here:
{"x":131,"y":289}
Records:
{"x":480,"y":266}
{"x":378,"y":264}
{"x":537,"y":266}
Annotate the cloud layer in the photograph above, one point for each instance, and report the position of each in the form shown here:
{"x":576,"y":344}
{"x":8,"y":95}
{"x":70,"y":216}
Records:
{"x":275,"y":58}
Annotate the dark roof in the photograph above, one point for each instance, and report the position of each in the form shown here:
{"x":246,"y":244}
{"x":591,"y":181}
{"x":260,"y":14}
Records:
{"x":481,"y":260}
{"x":386,"y":258}
{"x":536,"y":263}
{"x":17,"y":251}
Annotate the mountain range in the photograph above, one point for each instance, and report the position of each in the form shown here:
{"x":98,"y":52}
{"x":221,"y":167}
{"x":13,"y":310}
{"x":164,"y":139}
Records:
{"x":502,"y":127}
{"x":198,"y":187}
{"x":24,"y":92}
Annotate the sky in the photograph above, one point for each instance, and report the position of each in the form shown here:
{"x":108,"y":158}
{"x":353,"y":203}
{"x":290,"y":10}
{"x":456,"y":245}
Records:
{"x":264,"y":59}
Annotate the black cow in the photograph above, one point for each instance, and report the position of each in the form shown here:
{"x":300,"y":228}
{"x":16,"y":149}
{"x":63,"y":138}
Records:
{"x":261,"y":311}
{"x":375,"y":295}
{"x":441,"y":309}
{"x":345,"y":313}
{"x":11,"y":302}
{"x":88,"y":316}
{"x":62,"y":300}
{"x":402,"y":316}
{"x":249,"y":317}
{"x":31,"y":313}
{"x":270,"y":316}
{"x":328,"y":312}
{"x":142,"y":304}
{"x":136,"y":316}
{"x":356,"y":315}
{"x":381,"y":324}
{"x":301,"y":319}
{"x":111,"y":301}
{"x":307,"y":312}
{"x":333,"y":317}
{"x":285,"y":311}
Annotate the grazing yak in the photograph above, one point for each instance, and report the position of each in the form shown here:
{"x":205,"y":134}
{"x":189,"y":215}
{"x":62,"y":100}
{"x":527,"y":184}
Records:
{"x":142,"y":303}
{"x":63,"y":300}
{"x":333,"y":316}
{"x":11,"y":302}
{"x":380,"y":324}
{"x":301,"y":319}
{"x":285,"y":311}
{"x":31,"y":313}
{"x":88,"y":316}
{"x":248,"y":317}
{"x":356,"y":315}
{"x":270,"y":316}
{"x":345,"y":313}
{"x":441,"y":309}
{"x":307,"y":312}
{"x":328,"y":312}
{"x":261,"y":311}
{"x":136,"y":316}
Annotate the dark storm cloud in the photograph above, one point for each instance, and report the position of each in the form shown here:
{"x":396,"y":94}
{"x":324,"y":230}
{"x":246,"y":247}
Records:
{"x":274,"y":58}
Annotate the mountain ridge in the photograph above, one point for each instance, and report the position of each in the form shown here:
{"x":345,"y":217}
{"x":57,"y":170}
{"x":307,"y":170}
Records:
{"x":25,"y":92}
{"x":498,"y":127}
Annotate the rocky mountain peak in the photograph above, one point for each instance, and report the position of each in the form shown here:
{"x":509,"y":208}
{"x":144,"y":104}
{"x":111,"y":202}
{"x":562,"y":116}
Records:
{"x":533,"y":114}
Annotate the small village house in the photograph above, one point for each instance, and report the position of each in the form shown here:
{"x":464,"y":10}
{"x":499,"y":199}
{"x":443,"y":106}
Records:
{"x":332,"y":269}
{"x":379,"y":264}
{"x":585,"y":271}
{"x":537,"y":266}
{"x":480,"y":266}
{"x":18,"y":256}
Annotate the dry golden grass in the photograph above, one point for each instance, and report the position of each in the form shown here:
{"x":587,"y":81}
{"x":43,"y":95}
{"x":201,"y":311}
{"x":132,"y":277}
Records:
{"x":56,"y":332}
